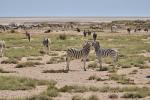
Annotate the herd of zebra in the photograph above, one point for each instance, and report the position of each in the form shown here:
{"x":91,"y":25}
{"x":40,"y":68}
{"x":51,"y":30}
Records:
{"x":76,"y":53}
{"x":72,"y":26}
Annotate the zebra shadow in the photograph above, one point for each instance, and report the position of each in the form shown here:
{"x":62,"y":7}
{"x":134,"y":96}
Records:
{"x":58,"y":71}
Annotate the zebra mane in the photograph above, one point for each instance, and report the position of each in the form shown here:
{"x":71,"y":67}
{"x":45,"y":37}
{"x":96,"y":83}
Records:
{"x":87,"y":43}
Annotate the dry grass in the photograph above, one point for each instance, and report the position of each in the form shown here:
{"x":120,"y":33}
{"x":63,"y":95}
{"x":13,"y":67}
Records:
{"x":9,"y":61}
{"x":94,"y":77}
{"x":3,"y":71}
{"x":121,"y":79}
{"x":27,"y":64}
{"x":17,"y":83}
{"x":55,"y":71}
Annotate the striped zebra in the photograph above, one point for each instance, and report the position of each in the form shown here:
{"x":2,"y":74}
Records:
{"x":113,"y":28}
{"x":101,"y":52}
{"x":46,"y":42}
{"x":77,"y":54}
{"x":2,"y":47}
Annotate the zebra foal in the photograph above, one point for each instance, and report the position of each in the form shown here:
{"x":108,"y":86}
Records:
{"x":101,"y":52}
{"x":77,"y":54}
{"x":2,"y":47}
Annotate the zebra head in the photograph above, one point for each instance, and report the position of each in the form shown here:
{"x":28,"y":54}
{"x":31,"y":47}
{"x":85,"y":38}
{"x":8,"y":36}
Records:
{"x":87,"y":44}
{"x":96,"y":45}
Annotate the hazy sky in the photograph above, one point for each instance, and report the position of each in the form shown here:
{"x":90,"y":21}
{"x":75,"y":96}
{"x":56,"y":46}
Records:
{"x":10,"y":8}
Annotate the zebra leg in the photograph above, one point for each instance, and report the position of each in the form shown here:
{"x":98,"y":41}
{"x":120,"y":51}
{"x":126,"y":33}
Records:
{"x":84,"y":61}
{"x":48,"y":50}
{"x":100,"y":63}
{"x":1,"y":52}
{"x":67,"y":62}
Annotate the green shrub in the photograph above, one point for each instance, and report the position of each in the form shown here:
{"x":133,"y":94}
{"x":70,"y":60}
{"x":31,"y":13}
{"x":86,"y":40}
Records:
{"x":17,"y":83}
{"x":9,"y":61}
{"x":77,"y":97}
{"x":62,"y":36}
{"x":28,"y":64}
{"x":132,"y":95}
{"x":92,"y":65}
{"x":113,"y":96}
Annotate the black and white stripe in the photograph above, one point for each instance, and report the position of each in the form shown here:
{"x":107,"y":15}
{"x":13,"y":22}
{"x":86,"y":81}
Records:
{"x":77,"y":54}
{"x":46,"y":42}
{"x":101,"y":52}
{"x":2,"y":47}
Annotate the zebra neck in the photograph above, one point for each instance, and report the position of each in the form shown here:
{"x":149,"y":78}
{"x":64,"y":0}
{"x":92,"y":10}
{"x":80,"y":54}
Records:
{"x":86,"y":50}
{"x":97,"y":49}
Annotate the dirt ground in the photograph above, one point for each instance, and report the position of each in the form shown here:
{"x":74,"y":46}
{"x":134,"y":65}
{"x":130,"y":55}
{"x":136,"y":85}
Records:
{"x":75,"y":77}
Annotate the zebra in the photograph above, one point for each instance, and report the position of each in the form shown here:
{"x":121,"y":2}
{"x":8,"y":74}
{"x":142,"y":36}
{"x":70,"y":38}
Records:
{"x":2,"y":47}
{"x":113,"y":28}
{"x":77,"y":54}
{"x":46,"y":42}
{"x":94,"y":36}
{"x":101,"y":52}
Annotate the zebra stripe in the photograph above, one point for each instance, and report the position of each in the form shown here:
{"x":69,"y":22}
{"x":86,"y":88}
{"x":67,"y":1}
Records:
{"x":2,"y":47}
{"x":46,"y":43}
{"x":101,"y":52}
{"x":77,"y":54}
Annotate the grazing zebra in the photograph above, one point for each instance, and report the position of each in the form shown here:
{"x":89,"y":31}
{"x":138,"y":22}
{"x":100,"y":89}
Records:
{"x":2,"y":47}
{"x":46,"y":43}
{"x":100,"y":52}
{"x":75,"y":53}
{"x":113,"y":28}
{"x":28,"y":35}
{"x":94,"y":36}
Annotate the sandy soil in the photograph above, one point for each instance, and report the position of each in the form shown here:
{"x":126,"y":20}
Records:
{"x":75,"y":77}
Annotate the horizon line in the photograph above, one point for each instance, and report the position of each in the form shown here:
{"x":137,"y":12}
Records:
{"x":73,"y":16}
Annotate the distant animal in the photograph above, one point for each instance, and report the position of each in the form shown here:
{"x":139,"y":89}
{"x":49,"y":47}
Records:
{"x":101,"y":52}
{"x":78,"y":53}
{"x":137,"y":29}
{"x":2,"y":47}
{"x":84,"y":33}
{"x":47,"y":31}
{"x":78,"y":30}
{"x":113,"y":28}
{"x":94,"y":36}
{"x":28,"y":35}
{"x":46,"y":42}
{"x":129,"y":30}
{"x":146,"y":29}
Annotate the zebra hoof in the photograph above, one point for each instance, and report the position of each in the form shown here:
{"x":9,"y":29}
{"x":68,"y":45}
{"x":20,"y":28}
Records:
{"x":84,"y":69}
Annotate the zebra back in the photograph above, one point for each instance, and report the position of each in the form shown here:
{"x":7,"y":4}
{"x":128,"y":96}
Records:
{"x":46,"y":42}
{"x":75,"y":53}
{"x":101,"y":52}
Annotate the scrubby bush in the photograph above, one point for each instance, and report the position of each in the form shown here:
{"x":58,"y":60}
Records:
{"x":62,"y":36}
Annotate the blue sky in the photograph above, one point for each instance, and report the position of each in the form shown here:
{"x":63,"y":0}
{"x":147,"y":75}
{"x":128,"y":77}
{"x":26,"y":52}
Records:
{"x":20,"y":8}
